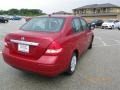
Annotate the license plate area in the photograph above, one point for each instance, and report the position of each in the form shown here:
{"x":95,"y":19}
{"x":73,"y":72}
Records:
{"x":23,"y":48}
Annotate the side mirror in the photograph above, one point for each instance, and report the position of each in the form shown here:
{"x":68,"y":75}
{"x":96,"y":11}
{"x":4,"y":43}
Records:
{"x":28,"y":19}
{"x":90,"y":26}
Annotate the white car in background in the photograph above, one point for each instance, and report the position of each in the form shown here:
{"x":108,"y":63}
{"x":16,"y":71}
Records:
{"x":110,"y":24}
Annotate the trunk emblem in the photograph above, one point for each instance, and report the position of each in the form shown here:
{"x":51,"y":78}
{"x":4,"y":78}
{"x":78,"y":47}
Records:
{"x":23,"y":38}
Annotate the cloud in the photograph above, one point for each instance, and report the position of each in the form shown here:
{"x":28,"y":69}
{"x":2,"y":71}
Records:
{"x":50,"y":6}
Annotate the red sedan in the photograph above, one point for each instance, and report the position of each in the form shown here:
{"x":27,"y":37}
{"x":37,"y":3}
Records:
{"x":48,"y":45}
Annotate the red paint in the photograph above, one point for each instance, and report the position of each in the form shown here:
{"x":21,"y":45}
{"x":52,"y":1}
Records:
{"x":52,"y":56}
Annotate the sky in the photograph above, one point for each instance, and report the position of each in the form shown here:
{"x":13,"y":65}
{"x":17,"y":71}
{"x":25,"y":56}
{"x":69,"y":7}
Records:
{"x":50,"y":6}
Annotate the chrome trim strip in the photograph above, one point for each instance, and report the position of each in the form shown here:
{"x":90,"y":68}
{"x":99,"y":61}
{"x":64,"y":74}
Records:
{"x":24,"y":42}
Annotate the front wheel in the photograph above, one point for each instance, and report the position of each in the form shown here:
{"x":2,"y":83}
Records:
{"x":91,"y":43}
{"x":7,"y":21}
{"x":72,"y":65}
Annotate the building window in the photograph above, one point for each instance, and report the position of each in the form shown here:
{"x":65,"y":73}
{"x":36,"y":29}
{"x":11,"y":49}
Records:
{"x":104,"y":10}
{"x":94,"y":10}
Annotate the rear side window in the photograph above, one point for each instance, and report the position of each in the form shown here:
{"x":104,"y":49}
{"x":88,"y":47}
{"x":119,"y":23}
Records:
{"x":47,"y":24}
{"x":84,"y":24}
{"x":76,"y":25}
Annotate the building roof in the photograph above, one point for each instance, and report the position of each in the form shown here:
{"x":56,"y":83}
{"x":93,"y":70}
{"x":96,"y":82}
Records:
{"x":61,"y":12}
{"x":106,"y":5}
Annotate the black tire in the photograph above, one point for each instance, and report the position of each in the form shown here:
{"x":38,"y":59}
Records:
{"x":3,"y":21}
{"x":112,"y":27}
{"x":118,"y":28}
{"x":91,"y":44}
{"x":102,"y":27}
{"x":70,"y":70}
{"x":7,"y":21}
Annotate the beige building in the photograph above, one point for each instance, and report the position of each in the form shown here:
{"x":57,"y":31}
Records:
{"x":99,"y":11}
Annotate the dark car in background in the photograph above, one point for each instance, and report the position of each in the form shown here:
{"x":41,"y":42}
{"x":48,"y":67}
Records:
{"x":3,"y":19}
{"x":17,"y":17}
{"x":96,"y":23}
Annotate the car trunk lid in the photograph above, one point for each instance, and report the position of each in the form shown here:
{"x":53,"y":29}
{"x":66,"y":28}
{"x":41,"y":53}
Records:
{"x":28,"y":44}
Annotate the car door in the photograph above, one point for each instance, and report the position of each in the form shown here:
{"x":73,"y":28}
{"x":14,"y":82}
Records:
{"x":87,"y":33}
{"x":78,"y":35}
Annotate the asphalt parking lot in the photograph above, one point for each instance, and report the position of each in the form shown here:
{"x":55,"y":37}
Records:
{"x":97,"y":69}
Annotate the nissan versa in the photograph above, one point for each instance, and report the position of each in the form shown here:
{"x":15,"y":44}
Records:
{"x":48,"y":45}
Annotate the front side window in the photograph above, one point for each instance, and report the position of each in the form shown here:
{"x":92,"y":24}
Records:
{"x":44,"y":24}
{"x":76,"y":25}
{"x":84,"y":24}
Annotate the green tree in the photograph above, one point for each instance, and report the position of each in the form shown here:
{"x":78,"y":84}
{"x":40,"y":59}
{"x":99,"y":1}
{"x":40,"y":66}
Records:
{"x":23,"y":12}
{"x":13,"y":12}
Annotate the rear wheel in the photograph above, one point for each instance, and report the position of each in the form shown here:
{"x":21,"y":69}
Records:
{"x":118,"y":28}
{"x":102,"y":27}
{"x":112,"y":27}
{"x":72,"y":65}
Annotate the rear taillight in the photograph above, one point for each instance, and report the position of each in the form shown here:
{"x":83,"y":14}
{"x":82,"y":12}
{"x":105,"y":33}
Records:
{"x":54,"y":49}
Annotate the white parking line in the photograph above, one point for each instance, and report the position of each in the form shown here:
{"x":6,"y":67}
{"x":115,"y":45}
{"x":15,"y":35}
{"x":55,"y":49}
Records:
{"x":104,"y":44}
{"x":117,"y":41}
{"x":108,"y":45}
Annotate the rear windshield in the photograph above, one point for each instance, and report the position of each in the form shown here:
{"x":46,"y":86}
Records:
{"x":47,"y":24}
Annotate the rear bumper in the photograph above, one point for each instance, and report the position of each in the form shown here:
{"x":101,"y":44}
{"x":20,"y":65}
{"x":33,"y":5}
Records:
{"x":44,"y":66}
{"x":107,"y":27}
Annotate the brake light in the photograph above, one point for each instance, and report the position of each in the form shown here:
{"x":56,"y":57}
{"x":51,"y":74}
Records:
{"x":53,"y":49}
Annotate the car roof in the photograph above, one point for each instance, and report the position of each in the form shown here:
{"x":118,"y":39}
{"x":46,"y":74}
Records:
{"x":60,"y":16}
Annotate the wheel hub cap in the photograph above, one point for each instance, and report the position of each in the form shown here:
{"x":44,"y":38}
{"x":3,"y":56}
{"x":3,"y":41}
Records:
{"x":73,"y":63}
